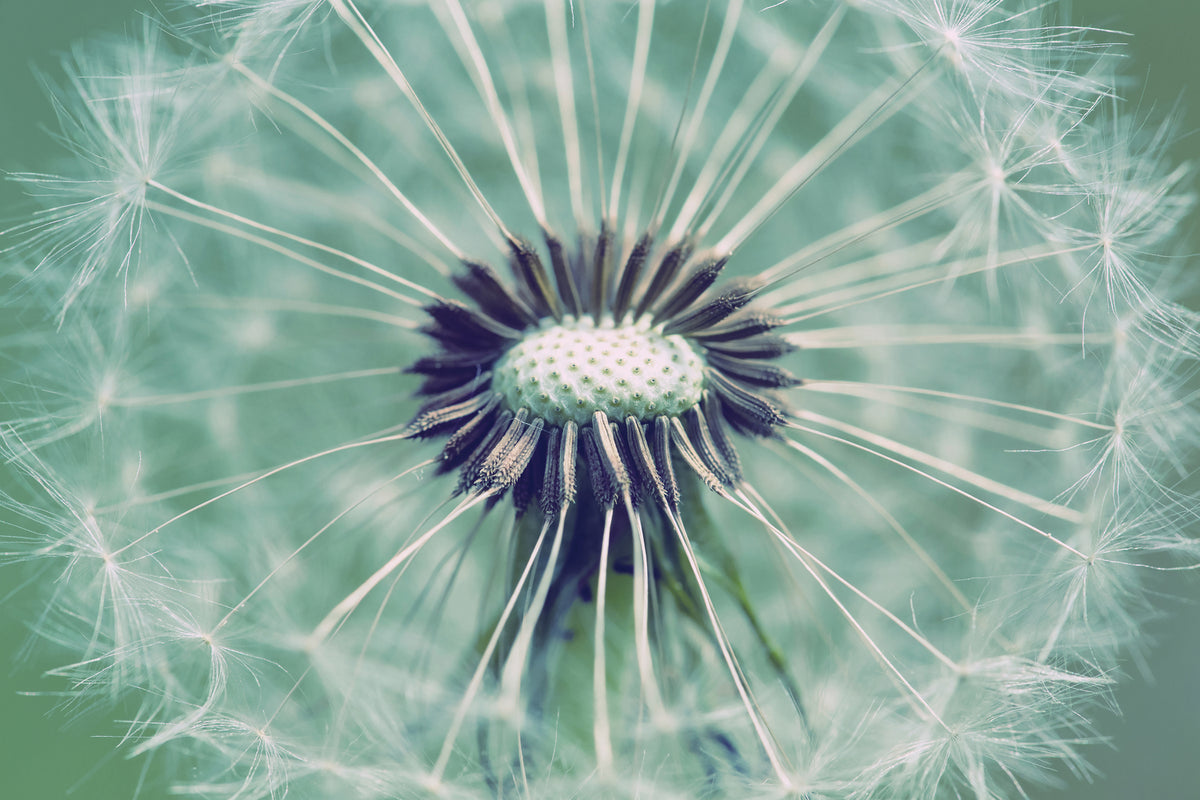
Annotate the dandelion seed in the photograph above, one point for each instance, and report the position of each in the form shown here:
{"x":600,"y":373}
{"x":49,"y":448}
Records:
{"x":607,"y":399}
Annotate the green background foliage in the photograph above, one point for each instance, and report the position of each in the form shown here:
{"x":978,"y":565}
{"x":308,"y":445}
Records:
{"x":48,"y":754}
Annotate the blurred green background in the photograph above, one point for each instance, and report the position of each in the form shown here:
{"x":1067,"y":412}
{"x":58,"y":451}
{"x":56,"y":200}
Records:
{"x":47,"y":755}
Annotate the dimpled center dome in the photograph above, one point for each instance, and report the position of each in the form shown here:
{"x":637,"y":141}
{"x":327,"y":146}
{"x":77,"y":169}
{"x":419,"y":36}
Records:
{"x":570,"y":370}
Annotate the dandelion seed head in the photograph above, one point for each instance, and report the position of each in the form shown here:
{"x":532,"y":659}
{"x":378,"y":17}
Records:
{"x":602,"y":400}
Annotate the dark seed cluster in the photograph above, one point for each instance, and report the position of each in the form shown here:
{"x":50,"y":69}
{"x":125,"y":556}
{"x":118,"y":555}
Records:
{"x":497,"y":448}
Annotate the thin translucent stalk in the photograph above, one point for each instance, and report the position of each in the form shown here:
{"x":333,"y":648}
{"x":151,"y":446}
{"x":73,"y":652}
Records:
{"x":735,"y":671}
{"x":976,"y":266}
{"x":940,"y":482}
{"x":633,"y":99}
{"x":939,"y":400}
{"x":304,"y":196}
{"x":304,"y":546}
{"x":564,"y":93}
{"x":796,"y":548}
{"x":918,"y":701}
{"x":956,"y":471}
{"x":269,"y":473}
{"x":601,"y":727}
{"x":244,"y":220}
{"x":285,"y":251}
{"x":782,"y":101}
{"x":892,"y":523}
{"x":485,"y":658}
{"x":515,"y":81}
{"x":250,"y":388}
{"x":354,"y":20}
{"x":872,"y":112}
{"x":487,"y":89}
{"x":651,"y":695}
{"x":952,"y":188}
{"x":352,"y":600}
{"x":859,"y":336}
{"x":601,"y":188}
{"x":257,"y":304}
{"x":716,"y":66}
{"x":874,"y":265}
{"x":354,"y":150}
{"x":510,"y":678}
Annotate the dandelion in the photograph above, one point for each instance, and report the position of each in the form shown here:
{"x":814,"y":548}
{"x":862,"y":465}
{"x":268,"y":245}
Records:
{"x":608,"y":399}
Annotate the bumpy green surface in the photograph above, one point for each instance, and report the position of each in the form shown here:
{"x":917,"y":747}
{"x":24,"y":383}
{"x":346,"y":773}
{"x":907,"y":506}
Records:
{"x":569,"y":371}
